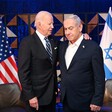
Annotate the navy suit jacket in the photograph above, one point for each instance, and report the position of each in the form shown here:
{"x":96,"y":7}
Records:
{"x":83,"y":82}
{"x":36,"y":72}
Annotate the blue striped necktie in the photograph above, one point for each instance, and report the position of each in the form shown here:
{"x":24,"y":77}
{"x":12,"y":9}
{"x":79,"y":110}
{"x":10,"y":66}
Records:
{"x":48,"y":47}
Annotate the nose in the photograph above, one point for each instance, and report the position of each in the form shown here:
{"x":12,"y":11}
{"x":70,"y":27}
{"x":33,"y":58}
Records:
{"x":52,"y":26}
{"x":66,"y":32}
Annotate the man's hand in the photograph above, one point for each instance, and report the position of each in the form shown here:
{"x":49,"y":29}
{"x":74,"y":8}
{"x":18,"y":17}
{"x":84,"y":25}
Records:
{"x":34,"y":103}
{"x":87,"y":37}
{"x":95,"y":107}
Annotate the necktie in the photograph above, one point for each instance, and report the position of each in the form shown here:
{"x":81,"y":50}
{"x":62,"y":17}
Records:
{"x":48,"y":48}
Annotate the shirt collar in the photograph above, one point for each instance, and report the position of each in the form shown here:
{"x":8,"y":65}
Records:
{"x":40,"y":35}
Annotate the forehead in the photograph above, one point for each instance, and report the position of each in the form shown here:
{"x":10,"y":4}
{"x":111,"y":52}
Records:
{"x":69,"y":22}
{"x":48,"y":19}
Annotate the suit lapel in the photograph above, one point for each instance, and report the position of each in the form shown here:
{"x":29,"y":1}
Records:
{"x":41,"y":46}
{"x":63,"y":53}
{"x":79,"y":52}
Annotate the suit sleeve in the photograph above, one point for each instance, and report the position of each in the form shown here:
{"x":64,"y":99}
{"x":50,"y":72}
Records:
{"x":99,"y":77}
{"x":24,"y":60}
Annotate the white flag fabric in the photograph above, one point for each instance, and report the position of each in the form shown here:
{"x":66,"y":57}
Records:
{"x":106,"y":45}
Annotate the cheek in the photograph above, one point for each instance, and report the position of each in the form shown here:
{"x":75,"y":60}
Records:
{"x":45,"y":29}
{"x":75,"y":32}
{"x":50,"y":27}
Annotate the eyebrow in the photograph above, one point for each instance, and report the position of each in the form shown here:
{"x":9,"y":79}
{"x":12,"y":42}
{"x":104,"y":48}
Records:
{"x":70,"y":27}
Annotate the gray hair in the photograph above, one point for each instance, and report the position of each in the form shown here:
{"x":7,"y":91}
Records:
{"x":76,"y":18}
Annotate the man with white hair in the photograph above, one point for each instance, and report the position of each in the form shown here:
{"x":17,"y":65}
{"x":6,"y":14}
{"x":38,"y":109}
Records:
{"x":37,"y":66}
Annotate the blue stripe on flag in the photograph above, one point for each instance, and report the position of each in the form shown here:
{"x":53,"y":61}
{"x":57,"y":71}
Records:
{"x":109,"y":21}
{"x":108,"y":73}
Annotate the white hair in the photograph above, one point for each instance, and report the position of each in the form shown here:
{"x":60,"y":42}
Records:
{"x":40,"y":16}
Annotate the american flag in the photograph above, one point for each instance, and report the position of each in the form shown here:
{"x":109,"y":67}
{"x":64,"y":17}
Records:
{"x":8,"y":67}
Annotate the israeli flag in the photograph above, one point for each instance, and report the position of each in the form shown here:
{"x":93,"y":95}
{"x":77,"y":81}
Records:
{"x":106,"y":45}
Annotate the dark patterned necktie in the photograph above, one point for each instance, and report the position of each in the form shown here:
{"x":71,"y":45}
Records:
{"x":48,"y":48}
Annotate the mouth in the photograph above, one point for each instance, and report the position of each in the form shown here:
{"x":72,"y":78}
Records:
{"x":68,"y":36}
{"x":50,"y":31}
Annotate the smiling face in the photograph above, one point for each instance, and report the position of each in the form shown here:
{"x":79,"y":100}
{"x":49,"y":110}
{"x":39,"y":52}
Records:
{"x":72,"y":29}
{"x":44,"y":23}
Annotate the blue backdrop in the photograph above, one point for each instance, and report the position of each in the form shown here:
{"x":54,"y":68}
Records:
{"x":54,"y":6}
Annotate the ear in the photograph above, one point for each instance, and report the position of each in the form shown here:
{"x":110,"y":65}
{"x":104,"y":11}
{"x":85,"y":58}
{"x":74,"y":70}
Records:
{"x":39,"y":24}
{"x":81,"y":27}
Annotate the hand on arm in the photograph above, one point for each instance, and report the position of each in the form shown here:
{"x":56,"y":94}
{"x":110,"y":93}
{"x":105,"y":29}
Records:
{"x":87,"y":37}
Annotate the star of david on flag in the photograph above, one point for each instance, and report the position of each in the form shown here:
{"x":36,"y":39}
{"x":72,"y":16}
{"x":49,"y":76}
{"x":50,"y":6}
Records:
{"x":108,"y":52}
{"x":8,"y":67}
{"x":106,"y":45}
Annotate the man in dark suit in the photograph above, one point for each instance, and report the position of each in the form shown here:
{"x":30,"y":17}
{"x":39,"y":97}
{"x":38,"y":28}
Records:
{"x":82,"y":72}
{"x":37,"y":68}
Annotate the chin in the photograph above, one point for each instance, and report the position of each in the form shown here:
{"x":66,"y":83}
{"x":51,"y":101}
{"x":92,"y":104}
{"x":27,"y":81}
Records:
{"x":50,"y":33}
{"x":69,"y":39}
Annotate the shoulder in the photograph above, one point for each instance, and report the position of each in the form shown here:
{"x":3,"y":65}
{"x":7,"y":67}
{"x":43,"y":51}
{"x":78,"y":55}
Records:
{"x":27,"y":42}
{"x":91,"y":43}
{"x":28,"y":38}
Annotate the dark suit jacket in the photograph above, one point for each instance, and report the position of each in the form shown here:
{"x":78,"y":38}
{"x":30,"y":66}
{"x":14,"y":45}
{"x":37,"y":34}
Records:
{"x":36,"y":72}
{"x":83,"y":82}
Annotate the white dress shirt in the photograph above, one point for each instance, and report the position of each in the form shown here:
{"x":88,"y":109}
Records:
{"x":71,"y":50}
{"x":41,"y":37}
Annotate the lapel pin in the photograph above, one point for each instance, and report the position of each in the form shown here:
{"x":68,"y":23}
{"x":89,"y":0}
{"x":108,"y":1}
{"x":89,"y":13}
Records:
{"x":83,"y":46}
{"x":55,"y":48}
